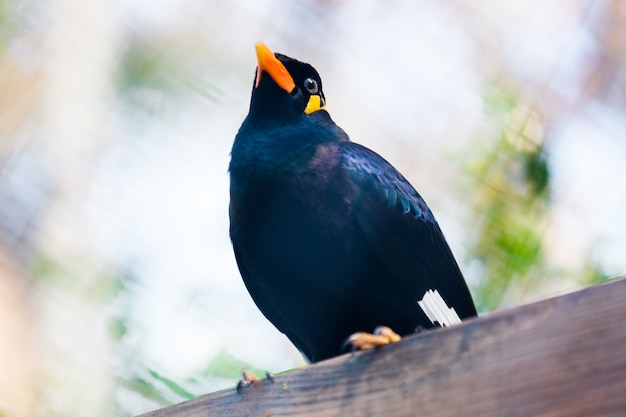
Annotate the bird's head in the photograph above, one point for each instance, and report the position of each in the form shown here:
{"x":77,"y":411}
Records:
{"x":284,"y":87}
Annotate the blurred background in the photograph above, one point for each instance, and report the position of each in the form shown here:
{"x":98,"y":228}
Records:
{"x":119,"y":292}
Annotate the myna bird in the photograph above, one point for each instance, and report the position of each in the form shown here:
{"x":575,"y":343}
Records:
{"x":329,"y":237}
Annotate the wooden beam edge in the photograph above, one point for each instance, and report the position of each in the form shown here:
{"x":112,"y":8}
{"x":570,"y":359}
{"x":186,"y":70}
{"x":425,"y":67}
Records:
{"x":560,"y":355}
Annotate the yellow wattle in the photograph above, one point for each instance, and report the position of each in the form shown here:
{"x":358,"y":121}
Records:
{"x":315,"y":103}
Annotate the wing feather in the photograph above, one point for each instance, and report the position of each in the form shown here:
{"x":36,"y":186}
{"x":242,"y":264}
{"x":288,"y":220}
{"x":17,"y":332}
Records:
{"x":401,"y":229}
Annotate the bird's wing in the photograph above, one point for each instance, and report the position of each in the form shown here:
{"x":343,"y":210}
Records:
{"x":400,"y":228}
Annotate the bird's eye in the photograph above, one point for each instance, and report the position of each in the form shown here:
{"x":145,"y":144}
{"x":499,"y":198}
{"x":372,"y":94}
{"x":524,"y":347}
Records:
{"x":311,"y":86}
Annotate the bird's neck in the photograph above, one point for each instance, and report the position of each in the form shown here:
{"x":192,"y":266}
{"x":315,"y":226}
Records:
{"x":266,"y":149}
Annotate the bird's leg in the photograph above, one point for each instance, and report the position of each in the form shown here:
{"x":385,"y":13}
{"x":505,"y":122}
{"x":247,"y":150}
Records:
{"x":382,"y":335}
{"x":248,"y":378}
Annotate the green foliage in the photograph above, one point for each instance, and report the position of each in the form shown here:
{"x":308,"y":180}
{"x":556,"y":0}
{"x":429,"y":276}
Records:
{"x":118,"y":328}
{"x":537,"y":173}
{"x":225,"y":365}
{"x":152,"y":385}
{"x":146,"y":389}
{"x":145,"y":66}
{"x":68,"y":276}
{"x":511,"y":206}
{"x":9,"y":24}
{"x":137,"y":378}
{"x":510,"y":199}
{"x":593,"y":274}
{"x":172,"y":386}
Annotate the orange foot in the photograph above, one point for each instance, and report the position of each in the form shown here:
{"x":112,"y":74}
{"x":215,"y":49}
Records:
{"x":248,"y":378}
{"x":382,"y":335}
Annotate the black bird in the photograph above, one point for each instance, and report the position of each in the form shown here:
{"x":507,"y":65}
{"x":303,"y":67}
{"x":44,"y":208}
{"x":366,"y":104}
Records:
{"x":330,"y":238}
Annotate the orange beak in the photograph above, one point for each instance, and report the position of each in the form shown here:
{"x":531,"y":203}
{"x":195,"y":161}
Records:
{"x":270,"y":64}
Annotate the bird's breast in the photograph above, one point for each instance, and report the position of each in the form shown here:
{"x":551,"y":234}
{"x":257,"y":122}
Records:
{"x":301,"y":217}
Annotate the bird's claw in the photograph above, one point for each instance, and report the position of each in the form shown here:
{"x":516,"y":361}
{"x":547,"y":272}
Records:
{"x":382,"y":335}
{"x":248,"y":378}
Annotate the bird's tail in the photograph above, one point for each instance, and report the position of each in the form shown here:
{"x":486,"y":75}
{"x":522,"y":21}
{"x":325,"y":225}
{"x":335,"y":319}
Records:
{"x":437,"y":310}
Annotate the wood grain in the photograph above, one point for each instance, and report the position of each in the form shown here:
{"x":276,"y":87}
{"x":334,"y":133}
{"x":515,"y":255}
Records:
{"x":564,"y":356}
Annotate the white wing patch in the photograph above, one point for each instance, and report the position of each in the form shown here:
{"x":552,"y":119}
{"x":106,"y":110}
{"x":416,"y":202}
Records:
{"x":437,"y":310}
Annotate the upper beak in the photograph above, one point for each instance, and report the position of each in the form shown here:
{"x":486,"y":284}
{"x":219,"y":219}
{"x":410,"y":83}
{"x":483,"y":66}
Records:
{"x":270,"y":64}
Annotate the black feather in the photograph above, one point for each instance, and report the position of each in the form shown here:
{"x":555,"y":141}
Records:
{"x":329,"y":237}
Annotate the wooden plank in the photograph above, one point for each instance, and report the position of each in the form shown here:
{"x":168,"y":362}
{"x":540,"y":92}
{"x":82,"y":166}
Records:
{"x":564,"y":356}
